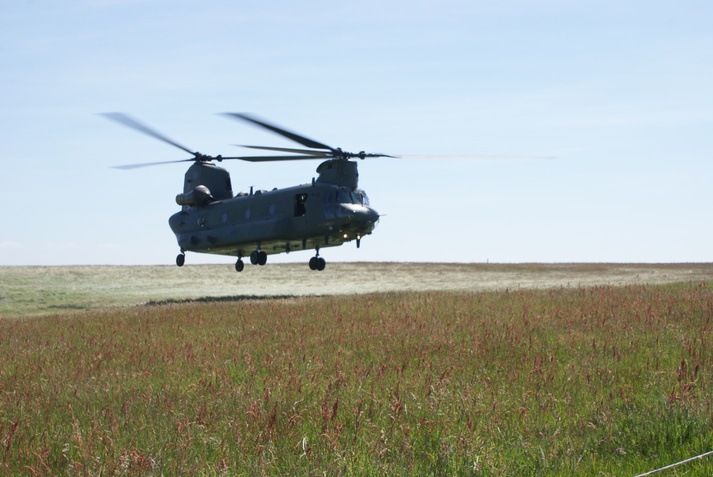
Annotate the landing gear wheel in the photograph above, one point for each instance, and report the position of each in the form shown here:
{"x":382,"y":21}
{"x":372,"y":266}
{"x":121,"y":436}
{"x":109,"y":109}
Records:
{"x":180,"y":259}
{"x":239,"y":265}
{"x":317,"y":263}
{"x":258,"y":257}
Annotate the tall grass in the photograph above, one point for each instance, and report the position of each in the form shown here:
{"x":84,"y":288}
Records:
{"x":587,"y":381}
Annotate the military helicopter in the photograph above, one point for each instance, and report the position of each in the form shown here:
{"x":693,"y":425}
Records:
{"x":328,"y":212}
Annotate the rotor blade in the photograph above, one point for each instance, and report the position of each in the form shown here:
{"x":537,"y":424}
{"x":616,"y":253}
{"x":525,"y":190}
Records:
{"x":280,"y":158}
{"x":319,"y":154}
{"x":147,"y":164}
{"x":134,"y":124}
{"x":287,"y":149}
{"x":283,"y":132}
{"x":376,"y":155}
{"x":465,"y":156}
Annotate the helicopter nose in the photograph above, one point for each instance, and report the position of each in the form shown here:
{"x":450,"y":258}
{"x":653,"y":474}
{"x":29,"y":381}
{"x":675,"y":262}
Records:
{"x":364,"y":216}
{"x":372,"y":216}
{"x":368,"y":219}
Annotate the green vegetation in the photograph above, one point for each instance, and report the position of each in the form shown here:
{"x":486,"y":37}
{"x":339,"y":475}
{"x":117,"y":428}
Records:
{"x":603,"y":380}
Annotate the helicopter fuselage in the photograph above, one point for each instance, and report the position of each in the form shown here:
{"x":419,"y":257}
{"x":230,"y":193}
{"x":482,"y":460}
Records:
{"x":309,"y":216}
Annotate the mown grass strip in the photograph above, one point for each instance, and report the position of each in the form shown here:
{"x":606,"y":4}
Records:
{"x":31,"y":291}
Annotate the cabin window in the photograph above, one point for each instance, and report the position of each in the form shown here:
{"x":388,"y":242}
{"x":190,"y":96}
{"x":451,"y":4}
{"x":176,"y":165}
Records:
{"x":300,"y":205}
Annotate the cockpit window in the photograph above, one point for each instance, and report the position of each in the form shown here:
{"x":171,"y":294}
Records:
{"x":344,"y":196}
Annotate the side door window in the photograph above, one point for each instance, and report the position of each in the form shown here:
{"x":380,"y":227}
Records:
{"x":300,"y":205}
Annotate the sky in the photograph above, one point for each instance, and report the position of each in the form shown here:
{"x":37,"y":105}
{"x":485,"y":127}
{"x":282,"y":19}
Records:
{"x":615,"y":95}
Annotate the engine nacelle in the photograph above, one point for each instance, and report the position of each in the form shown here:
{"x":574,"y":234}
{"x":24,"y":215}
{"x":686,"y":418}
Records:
{"x":200,"y":195}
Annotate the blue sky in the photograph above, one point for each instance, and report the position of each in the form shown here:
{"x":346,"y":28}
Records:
{"x":619,"y":92}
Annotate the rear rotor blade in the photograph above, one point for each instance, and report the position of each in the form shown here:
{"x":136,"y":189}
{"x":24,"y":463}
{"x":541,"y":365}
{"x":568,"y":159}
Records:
{"x":134,"y":124}
{"x":283,"y":132}
{"x":147,"y":164}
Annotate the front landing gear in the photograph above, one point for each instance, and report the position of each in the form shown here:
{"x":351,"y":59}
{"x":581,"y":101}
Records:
{"x":317,"y":263}
{"x":181,"y":259}
{"x":239,"y":265}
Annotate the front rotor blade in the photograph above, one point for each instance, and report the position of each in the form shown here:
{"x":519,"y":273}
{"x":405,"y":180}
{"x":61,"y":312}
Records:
{"x":464,"y":156}
{"x":280,"y":158}
{"x":283,"y":132}
{"x":296,"y":151}
{"x":375,"y":155}
{"x":134,"y":124}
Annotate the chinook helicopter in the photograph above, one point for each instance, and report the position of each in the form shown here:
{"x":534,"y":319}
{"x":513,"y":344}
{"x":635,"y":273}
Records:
{"x":328,"y":212}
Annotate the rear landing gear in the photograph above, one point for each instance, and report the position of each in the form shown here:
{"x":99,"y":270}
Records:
{"x":181,"y":259}
{"x":317,"y":263}
{"x":258,"y":257}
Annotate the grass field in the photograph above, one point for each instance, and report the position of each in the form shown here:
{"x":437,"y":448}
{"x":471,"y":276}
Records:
{"x":380,"y":369}
{"x":43,"y":290}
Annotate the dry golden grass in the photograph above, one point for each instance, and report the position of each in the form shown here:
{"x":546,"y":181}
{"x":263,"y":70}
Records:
{"x":41,"y":290}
